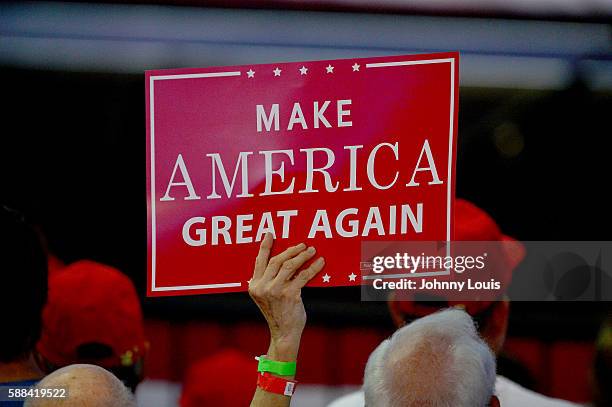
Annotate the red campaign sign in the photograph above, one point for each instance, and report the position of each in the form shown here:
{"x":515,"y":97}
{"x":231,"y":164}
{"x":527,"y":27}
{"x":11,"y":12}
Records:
{"x":324,"y":152}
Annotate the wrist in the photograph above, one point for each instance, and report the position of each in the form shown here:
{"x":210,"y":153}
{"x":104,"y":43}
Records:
{"x":284,"y":349}
{"x":275,"y":367}
{"x":275,"y":384}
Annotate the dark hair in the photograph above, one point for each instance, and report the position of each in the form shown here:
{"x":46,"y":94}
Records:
{"x":23,"y":285}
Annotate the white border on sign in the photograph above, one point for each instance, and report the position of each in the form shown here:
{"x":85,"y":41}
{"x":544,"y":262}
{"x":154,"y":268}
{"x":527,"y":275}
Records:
{"x":152,"y":80}
{"x":450,"y":161}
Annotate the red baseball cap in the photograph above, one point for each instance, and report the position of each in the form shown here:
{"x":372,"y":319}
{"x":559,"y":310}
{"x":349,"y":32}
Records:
{"x":92,"y":303}
{"x":472,"y":224}
{"x":226,"y":379}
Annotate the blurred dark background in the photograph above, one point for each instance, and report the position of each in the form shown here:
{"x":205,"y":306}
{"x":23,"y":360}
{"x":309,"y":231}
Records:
{"x":534,"y":122}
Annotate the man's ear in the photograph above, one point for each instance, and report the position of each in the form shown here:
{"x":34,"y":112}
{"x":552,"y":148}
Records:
{"x":42,"y":363}
{"x":494,"y":328}
{"x":396,"y":315}
{"x":494,"y":402}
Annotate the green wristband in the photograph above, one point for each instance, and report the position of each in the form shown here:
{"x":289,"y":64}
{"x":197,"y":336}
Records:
{"x":275,"y":367}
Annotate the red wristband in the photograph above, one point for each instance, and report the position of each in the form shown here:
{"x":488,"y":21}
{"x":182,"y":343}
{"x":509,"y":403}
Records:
{"x":277,"y":385}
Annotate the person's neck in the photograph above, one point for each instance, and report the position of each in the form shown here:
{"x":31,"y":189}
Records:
{"x":20,"y":370}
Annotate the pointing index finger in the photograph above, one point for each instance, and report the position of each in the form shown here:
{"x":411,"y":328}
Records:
{"x":261,"y":261}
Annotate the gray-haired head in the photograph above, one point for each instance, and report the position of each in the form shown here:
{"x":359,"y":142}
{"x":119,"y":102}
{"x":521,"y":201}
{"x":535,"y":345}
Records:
{"x":438,"y":360}
{"x":86,"y":385}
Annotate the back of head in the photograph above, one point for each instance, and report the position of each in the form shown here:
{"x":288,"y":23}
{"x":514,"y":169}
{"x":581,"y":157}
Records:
{"x":438,"y":360}
{"x":471,"y":223}
{"x":93,"y":316}
{"x":86,"y":385}
{"x":23,"y":285}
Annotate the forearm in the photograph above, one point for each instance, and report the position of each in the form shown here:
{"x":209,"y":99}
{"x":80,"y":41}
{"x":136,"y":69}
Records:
{"x":276,"y":288}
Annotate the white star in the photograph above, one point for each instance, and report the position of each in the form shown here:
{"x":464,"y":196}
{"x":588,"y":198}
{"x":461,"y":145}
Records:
{"x":330,"y":69}
{"x":326,"y":278}
{"x":277,"y":71}
{"x":250,"y":73}
{"x":303,"y":70}
{"x":352,"y":277}
{"x":356,"y":67}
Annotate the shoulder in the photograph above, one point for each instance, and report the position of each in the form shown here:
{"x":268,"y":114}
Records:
{"x":513,"y":395}
{"x":509,"y":393}
{"x":350,"y":400}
